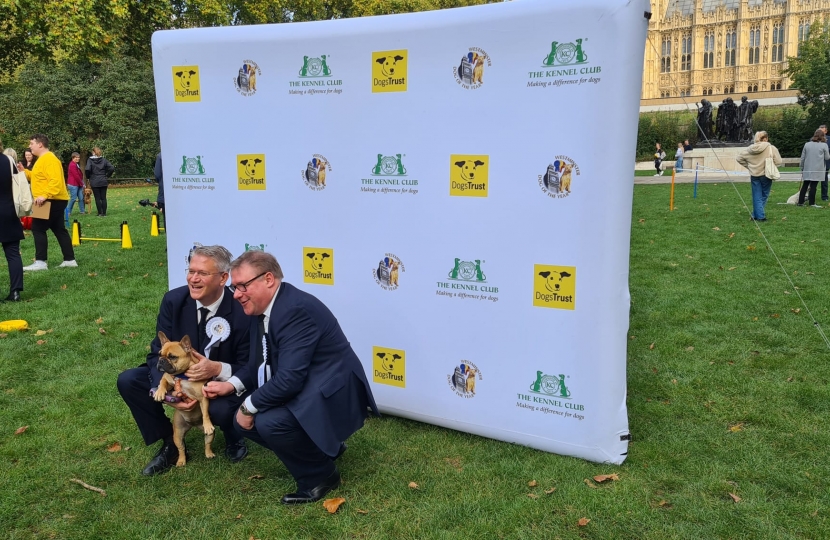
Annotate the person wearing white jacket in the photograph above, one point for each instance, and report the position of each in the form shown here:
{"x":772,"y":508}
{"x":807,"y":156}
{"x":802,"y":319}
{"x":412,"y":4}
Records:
{"x":813,"y":157}
{"x":754,"y":159}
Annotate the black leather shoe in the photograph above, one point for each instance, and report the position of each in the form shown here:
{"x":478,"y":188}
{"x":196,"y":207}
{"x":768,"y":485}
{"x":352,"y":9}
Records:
{"x":314,"y":494}
{"x":236,"y":452}
{"x":342,"y":450}
{"x":165,"y":458}
{"x":13,"y":296}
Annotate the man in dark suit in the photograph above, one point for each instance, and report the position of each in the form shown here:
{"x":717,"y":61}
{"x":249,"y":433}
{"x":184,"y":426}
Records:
{"x":187,"y":311}
{"x":310,"y":392}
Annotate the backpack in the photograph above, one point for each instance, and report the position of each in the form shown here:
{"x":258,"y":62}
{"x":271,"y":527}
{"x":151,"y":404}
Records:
{"x":21,"y":192}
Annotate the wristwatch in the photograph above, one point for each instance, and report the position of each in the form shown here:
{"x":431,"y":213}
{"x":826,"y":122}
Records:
{"x":244,"y":410}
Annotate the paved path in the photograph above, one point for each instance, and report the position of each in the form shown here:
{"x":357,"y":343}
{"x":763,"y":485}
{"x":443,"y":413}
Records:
{"x":709,"y":178}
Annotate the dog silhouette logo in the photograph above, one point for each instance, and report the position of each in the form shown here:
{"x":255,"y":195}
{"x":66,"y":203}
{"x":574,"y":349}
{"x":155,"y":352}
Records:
{"x":389,"y":366}
{"x":470,"y":71}
{"x":550,"y":385}
{"x":315,"y":67}
{"x":318,"y":265}
{"x":192,"y":166}
{"x":554,"y":286}
{"x":250,"y":170}
{"x":469,"y":175}
{"x":186,"y":85}
{"x":389,"y":71}
{"x":389,"y":166}
{"x":565,"y":54}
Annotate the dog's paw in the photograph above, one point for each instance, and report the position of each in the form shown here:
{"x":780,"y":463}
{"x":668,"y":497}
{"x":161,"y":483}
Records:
{"x":209,"y":429}
{"x":209,"y":453}
{"x":159,"y":395}
{"x":181,"y":462}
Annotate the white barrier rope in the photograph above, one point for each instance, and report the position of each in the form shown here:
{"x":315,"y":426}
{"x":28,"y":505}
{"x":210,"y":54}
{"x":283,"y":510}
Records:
{"x":729,"y":175}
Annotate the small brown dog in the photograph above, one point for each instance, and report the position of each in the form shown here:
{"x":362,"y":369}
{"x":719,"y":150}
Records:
{"x":88,"y":198}
{"x":175,"y":359}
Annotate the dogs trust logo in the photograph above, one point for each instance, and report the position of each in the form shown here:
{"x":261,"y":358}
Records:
{"x":387,"y":272}
{"x":389,"y":366}
{"x":469,"y":175}
{"x":389,"y":71}
{"x":318,"y":265}
{"x":314,"y":174}
{"x":470,"y":72}
{"x":556,"y":182}
{"x":186,"y":85}
{"x":554,"y":286}
{"x":245,"y":81}
{"x":250,"y":171}
{"x":462,"y":381}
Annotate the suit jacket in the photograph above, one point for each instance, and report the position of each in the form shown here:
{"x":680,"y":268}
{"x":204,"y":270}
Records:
{"x":177,"y":318}
{"x":314,"y":371}
{"x":10,"y":228}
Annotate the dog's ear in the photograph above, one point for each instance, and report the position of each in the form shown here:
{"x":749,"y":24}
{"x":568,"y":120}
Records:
{"x":310,"y":255}
{"x":398,"y":58}
{"x":192,"y":72}
{"x":162,"y":338}
{"x":564,"y":274}
{"x":185,"y":342}
{"x":460,"y":163}
{"x":326,"y":255}
{"x":381,"y":60}
{"x":179,"y":73}
{"x":243,"y":162}
{"x":477,"y":163}
{"x":381,"y":354}
{"x":544,"y":274}
{"x":396,"y":356}
{"x":257,"y":161}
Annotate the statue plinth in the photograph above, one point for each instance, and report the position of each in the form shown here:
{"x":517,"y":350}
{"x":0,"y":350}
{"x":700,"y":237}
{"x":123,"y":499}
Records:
{"x":718,"y":157}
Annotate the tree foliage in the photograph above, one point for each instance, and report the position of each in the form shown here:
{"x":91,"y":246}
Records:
{"x":810,"y":73}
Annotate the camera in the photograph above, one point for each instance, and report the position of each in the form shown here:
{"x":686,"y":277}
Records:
{"x":146,"y":202}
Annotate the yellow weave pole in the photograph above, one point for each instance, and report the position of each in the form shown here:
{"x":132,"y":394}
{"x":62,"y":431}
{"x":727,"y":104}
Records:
{"x":671,"y":197}
{"x":154,"y":224}
{"x":126,"y":241}
{"x":76,"y":233}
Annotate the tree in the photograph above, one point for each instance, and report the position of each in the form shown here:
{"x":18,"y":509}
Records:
{"x":110,"y":104}
{"x":810,"y":73}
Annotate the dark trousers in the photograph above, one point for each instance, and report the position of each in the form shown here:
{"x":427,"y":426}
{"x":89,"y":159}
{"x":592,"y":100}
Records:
{"x":824,"y":186}
{"x":100,"y":200}
{"x":134,"y":387}
{"x":279,"y":431}
{"x":58,"y":227}
{"x":811,"y":198}
{"x":12,"y":251}
{"x":163,"y":217}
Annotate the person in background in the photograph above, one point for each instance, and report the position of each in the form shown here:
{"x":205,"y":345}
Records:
{"x":159,"y":174}
{"x":98,"y":171}
{"x":11,"y":231}
{"x":754,"y":159}
{"x":48,"y":184}
{"x":28,"y":159}
{"x":75,"y":184}
{"x":813,"y":158}
{"x":826,"y":166}
{"x":659,"y":156}
{"x":687,"y":146}
{"x":678,"y":158}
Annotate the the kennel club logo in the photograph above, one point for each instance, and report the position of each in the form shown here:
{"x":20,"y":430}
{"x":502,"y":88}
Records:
{"x":550,"y":385}
{"x":388,"y":271}
{"x":245,"y":80}
{"x":318,"y":265}
{"x":558,"y":178}
{"x":467,"y":271}
{"x":469,"y":175}
{"x":192,"y":165}
{"x":554,"y":286}
{"x":462,"y":381}
{"x":467,"y":281}
{"x":186,"y":85}
{"x":389,"y":166}
{"x":250,"y":170}
{"x":389,"y":71}
{"x":470,"y":72}
{"x":193,"y":175}
{"x":389,"y":366}
{"x":565,"y":54}
{"x":254,"y":247}
{"x":315,"y":67}
{"x":315,"y":172}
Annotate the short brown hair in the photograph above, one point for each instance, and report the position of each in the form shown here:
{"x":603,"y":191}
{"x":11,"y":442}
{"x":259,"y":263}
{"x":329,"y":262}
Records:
{"x":41,"y":138}
{"x":260,"y":261}
{"x":818,"y":136}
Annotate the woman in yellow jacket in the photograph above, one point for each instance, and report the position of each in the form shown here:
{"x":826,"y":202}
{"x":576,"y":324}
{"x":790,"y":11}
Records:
{"x":49,"y":185}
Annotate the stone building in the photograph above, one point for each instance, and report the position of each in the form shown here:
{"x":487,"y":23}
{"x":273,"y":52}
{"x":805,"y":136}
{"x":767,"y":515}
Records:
{"x":703,"y":48}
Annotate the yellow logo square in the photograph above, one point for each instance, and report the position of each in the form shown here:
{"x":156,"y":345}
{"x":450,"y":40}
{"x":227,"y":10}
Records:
{"x":318,"y":265}
{"x":186,"y":85}
{"x":250,"y":170}
{"x":469,"y":175}
{"x":389,"y":366}
{"x":389,"y":71}
{"x":554,"y":286}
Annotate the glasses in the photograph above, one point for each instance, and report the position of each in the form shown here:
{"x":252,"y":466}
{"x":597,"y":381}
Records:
{"x":243,"y":287}
{"x":200,"y":273}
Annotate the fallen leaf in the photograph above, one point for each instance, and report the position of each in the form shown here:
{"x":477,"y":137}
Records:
{"x":674,"y":381}
{"x":732,"y":268}
{"x":664,"y":504}
{"x":549,"y":491}
{"x":583,"y":521}
{"x":102,"y":331}
{"x":92,"y":274}
{"x":99,"y":320}
{"x":20,"y":430}
{"x":731,"y":235}
{"x":364,"y":512}
{"x":145,"y":275}
{"x":789,"y":379}
{"x":238,"y":516}
{"x":690,"y":348}
{"x":641,"y":220}
{"x":133,"y":334}
{"x":68,"y":516}
{"x":63,"y":286}
{"x":256,"y":477}
{"x":754,"y":318}
{"x":41,"y":342}
{"x":784,"y":218}
{"x":114,"y":447}
{"x":3,"y":335}
{"x":786,"y":292}
{"x":532,"y":483}
{"x":161,"y":264}
{"x":796,"y":310}
{"x":650,"y":347}
{"x":715,"y":228}
{"x":632,"y":337}
{"x":589,"y":483}
{"x":532,"y":495}
{"x":41,"y":333}
{"x":750,"y":248}
{"x":413,"y":485}
{"x":735,"y":497}
{"x":603,"y":477}
{"x":333,"y":504}
{"x":811,"y":273}
{"x":736,"y":427}
{"x":124,"y":342}
{"x":775,"y":316}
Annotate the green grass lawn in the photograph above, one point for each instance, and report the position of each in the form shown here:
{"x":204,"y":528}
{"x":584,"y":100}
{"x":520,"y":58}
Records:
{"x":727,"y":393}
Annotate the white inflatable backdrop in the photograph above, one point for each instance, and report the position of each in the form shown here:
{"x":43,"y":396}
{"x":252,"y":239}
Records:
{"x":455,"y":185}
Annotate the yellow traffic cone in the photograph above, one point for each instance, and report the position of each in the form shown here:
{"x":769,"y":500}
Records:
{"x":126,"y":241}
{"x":154,"y":225}
{"x":76,"y":233}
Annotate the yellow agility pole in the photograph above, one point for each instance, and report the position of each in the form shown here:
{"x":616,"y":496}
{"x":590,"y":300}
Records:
{"x":154,"y":224}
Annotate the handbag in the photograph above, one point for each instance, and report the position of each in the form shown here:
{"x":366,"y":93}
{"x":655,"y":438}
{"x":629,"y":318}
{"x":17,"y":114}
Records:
{"x":770,"y":170}
{"x":21,"y":192}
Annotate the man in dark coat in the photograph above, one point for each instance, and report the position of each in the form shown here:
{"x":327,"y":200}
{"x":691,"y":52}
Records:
{"x":310,"y":392}
{"x":188,"y":311}
{"x":158,"y":172}
{"x":11,"y":231}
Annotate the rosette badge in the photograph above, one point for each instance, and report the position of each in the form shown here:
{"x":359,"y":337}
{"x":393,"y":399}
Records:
{"x":218,"y":330}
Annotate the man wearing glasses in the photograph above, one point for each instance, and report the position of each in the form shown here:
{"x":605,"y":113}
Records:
{"x":188,"y":310}
{"x":309,"y":392}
